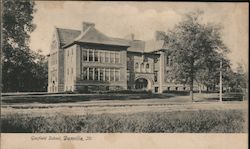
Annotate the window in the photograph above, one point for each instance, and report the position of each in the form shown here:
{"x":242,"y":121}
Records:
{"x":117,"y":75}
{"x":84,"y":73}
{"x":102,"y":56}
{"x":96,"y":74}
{"x":68,"y":52}
{"x":147,"y":66}
{"x":112,"y":75}
{"x":142,"y":67}
{"x":176,"y":88}
{"x":156,"y":89}
{"x":167,"y":60}
{"x":136,"y":65}
{"x":155,"y":60}
{"x":128,"y":59}
{"x":96,"y":55}
{"x":117,"y":57}
{"x":91,"y":71}
{"x":128,"y":75}
{"x":107,"y":55}
{"x":112,"y":57}
{"x":107,"y":74}
{"x":84,"y":55}
{"x":101,"y":74}
{"x":155,"y":76}
{"x":90,"y":55}
{"x":71,"y":70}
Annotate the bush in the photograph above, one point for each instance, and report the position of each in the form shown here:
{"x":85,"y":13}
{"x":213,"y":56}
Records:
{"x":181,"y":93}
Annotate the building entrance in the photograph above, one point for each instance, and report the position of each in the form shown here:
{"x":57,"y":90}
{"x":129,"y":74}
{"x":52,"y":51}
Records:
{"x":141,"y":84}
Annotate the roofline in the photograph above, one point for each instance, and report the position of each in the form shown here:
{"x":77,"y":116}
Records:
{"x":141,"y":52}
{"x":75,"y":42}
{"x":162,"y":49}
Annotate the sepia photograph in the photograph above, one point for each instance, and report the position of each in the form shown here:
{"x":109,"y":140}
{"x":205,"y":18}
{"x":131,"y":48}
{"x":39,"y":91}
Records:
{"x":124,"y":67}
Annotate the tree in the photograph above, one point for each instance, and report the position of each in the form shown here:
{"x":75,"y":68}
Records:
{"x":209,"y":73}
{"x":192,"y":45}
{"x":19,"y":66}
{"x":237,"y":81}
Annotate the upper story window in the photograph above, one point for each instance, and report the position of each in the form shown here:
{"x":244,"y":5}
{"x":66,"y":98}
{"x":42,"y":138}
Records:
{"x":107,"y":56}
{"x":155,"y":60}
{"x":91,"y":55}
{"x":102,"y":57}
{"x":84,"y":54}
{"x":96,"y":55}
{"x":112,"y":57}
{"x":142,"y":67}
{"x":117,"y":57}
{"x":147,"y":65}
{"x":169,"y":61}
{"x":136,"y":65}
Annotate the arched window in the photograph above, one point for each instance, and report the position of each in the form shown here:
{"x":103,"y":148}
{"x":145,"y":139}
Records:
{"x":136,"y":65}
{"x":142,"y":67}
{"x":147,"y":65}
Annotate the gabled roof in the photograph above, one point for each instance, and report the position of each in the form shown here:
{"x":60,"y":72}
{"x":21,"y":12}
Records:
{"x":67,"y":35}
{"x":154,"y":45}
{"x":137,"y":46}
{"x":92,"y":35}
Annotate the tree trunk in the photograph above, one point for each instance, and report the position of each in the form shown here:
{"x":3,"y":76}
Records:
{"x":191,"y":89}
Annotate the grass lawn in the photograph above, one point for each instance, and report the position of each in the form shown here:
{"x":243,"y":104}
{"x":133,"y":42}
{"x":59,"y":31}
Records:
{"x":203,"y":121}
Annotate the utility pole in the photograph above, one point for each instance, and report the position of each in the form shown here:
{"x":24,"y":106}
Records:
{"x":221,"y":80}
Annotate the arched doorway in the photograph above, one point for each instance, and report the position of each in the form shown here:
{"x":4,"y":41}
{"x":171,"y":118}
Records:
{"x":141,"y":84}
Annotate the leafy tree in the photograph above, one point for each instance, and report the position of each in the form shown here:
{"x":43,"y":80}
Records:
{"x":237,"y":81}
{"x":192,"y":46}
{"x":19,"y":72}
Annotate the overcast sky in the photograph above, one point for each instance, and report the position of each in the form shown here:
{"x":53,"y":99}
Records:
{"x":118,"y":19}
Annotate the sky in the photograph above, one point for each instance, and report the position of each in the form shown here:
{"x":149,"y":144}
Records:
{"x":119,"y":19}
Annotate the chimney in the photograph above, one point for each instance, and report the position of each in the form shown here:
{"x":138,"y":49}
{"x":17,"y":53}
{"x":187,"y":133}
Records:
{"x":86,"y":25}
{"x":132,"y":36}
{"x":159,"y":35}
